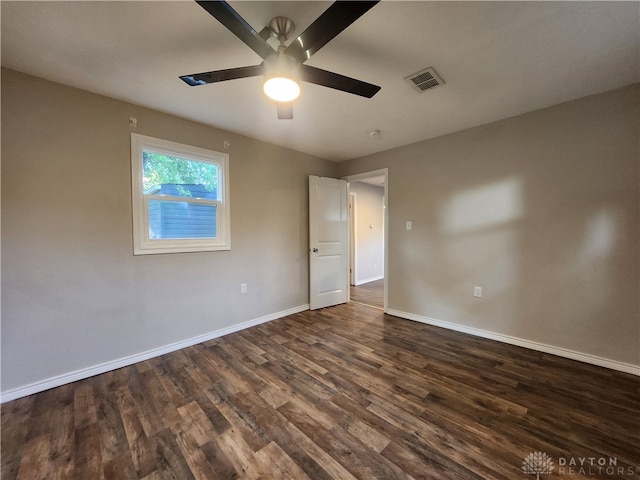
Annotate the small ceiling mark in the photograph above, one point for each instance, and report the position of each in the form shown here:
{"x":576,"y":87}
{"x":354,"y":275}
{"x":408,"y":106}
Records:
{"x":373,"y":133}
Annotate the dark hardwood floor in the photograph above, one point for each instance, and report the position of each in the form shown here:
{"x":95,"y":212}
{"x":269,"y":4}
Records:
{"x":371,"y":293}
{"x":341,"y":393}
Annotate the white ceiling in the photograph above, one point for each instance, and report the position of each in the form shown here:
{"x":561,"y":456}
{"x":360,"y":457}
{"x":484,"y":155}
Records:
{"x":498,"y":59}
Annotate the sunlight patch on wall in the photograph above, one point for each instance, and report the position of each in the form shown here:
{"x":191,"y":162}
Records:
{"x":594,"y":266}
{"x":483,"y":207}
{"x":600,"y":236}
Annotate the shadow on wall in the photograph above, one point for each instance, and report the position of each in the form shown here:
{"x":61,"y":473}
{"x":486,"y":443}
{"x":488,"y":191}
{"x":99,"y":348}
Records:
{"x":551,"y":267}
{"x":540,"y":210}
{"x":479,"y":235}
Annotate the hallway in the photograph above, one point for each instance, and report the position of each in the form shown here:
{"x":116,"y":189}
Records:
{"x":371,"y":294}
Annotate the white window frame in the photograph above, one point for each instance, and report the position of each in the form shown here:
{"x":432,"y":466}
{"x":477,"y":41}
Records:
{"x":142,"y":244}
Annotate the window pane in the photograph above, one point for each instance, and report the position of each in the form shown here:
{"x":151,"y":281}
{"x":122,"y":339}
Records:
{"x":170,"y":219}
{"x":179,"y":197}
{"x":165,"y":175}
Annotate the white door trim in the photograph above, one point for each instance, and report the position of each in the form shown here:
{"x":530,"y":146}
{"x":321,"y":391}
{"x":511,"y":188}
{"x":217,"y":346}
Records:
{"x":377,"y":173}
{"x":353,"y":239}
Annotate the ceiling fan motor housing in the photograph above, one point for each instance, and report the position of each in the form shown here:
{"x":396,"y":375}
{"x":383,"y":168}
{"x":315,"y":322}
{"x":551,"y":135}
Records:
{"x":282,"y":28}
{"x":280,"y":64}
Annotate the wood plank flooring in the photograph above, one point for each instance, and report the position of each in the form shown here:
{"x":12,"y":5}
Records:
{"x":371,"y":294}
{"x":342,"y":393}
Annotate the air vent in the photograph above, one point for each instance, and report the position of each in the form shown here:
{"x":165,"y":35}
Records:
{"x":424,"y":79}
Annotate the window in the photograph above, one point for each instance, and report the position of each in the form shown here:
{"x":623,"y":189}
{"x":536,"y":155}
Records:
{"x":180,"y":197}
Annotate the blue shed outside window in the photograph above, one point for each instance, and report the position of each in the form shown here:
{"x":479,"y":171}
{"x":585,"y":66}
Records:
{"x":182,"y":219}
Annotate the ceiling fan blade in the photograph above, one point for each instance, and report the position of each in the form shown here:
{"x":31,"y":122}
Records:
{"x":204,"y":78}
{"x":339,"y":82}
{"x":285,"y":111}
{"x":228,"y":17}
{"x":327,"y":26}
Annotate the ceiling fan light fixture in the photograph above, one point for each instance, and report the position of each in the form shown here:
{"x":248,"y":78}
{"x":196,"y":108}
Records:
{"x":282,"y":69}
{"x":281,"y":81}
{"x":281,"y":89}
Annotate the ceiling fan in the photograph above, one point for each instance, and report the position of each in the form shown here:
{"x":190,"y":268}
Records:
{"x":283,"y":68}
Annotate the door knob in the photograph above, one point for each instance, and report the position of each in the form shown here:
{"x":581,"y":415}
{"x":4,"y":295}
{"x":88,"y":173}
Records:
{"x":315,"y":250}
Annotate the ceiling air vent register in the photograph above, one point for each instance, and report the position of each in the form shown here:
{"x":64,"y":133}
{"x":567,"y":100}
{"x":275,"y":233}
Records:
{"x":424,"y":80}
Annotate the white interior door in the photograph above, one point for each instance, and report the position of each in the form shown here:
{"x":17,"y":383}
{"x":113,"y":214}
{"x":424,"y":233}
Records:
{"x":328,"y":242}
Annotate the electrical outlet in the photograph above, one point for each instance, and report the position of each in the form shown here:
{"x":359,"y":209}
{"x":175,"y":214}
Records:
{"x":409,"y":225}
{"x":477,"y":292}
{"x":243,"y":288}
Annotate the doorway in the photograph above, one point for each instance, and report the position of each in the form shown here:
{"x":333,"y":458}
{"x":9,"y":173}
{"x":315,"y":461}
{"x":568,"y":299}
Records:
{"x":368,"y":238}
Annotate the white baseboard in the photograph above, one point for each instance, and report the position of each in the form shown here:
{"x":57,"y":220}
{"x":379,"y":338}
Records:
{"x":138,"y":357}
{"x":541,"y":347}
{"x":368,"y":280}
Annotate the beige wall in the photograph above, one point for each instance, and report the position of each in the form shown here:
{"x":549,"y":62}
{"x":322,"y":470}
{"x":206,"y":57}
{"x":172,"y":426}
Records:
{"x":540,"y":210}
{"x":369,"y":232}
{"x":73,"y":294}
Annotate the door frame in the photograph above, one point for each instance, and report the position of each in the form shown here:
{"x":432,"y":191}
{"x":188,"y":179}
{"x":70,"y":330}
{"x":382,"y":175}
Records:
{"x":385,"y":206}
{"x":353,"y":238}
